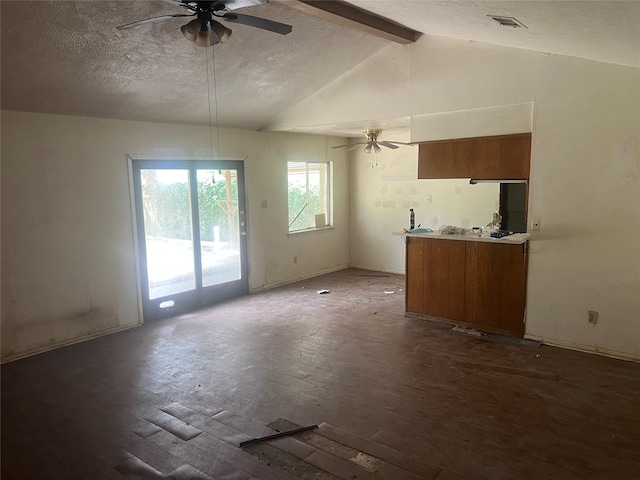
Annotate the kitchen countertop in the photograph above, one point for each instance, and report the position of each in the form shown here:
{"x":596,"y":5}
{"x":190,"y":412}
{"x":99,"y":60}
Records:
{"x":515,"y":239}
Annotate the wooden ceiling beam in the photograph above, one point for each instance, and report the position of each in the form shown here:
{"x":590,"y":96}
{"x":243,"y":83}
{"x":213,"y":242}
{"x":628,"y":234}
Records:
{"x":346,"y":14}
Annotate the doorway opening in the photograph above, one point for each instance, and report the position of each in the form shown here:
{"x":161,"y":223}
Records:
{"x":513,"y":207}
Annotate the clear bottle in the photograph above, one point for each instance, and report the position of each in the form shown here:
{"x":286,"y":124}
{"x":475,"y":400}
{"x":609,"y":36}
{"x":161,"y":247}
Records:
{"x":412,"y":219}
{"x":497,"y":219}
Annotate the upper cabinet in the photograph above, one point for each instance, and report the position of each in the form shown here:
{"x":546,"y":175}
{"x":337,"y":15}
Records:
{"x":501,"y":157}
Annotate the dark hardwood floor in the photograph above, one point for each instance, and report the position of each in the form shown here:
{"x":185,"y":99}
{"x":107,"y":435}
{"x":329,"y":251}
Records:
{"x":394,"y":397}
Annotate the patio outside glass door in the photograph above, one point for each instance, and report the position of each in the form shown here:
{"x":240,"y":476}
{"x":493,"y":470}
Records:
{"x":191,"y":229}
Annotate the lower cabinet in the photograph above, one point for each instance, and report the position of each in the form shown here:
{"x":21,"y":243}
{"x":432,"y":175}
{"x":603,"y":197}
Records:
{"x":471,"y":283}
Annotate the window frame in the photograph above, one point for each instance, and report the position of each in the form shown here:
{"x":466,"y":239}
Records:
{"x":327,"y":198}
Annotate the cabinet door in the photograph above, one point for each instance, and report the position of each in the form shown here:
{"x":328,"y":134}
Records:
{"x":503,"y":157}
{"x":508,"y":288}
{"x":414,"y":275}
{"x":444,"y":159}
{"x":477,"y":287}
{"x":437,"y":271}
{"x":457,"y":263}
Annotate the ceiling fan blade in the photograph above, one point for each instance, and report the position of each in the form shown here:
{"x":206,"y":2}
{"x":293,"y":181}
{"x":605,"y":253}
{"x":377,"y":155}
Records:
{"x":263,"y":23}
{"x":398,"y":143}
{"x":161,"y":18}
{"x":235,"y":4}
{"x":355,"y":145}
{"x":388,"y":145}
{"x":350,"y":145}
{"x":178,"y":3}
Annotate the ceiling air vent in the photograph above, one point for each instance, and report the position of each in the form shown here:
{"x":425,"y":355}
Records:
{"x":508,"y":21}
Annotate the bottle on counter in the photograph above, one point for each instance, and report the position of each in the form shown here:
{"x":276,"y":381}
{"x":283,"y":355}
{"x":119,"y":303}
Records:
{"x":496,"y":222}
{"x":412,"y":219}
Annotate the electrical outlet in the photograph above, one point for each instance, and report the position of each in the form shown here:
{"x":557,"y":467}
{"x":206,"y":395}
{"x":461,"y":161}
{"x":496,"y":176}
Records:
{"x":428,"y":198}
{"x":535,"y":224}
{"x":593,"y":317}
{"x":263,"y":204}
{"x":295,"y":259}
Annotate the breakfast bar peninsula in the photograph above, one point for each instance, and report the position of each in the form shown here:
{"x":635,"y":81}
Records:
{"x":469,"y":280}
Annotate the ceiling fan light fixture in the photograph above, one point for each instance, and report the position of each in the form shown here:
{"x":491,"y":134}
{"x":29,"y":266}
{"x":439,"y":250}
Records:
{"x":376,"y":148}
{"x":204,"y":11}
{"x":191,"y":29}
{"x":367,"y":149}
{"x":223,"y":33}
{"x":206,"y":38}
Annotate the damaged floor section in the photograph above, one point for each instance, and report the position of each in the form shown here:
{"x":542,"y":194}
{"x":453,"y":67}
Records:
{"x":314,"y":455}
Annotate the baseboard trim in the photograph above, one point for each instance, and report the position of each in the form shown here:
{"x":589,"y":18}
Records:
{"x":269,"y":286}
{"x":377,"y":269}
{"x":65,"y":343}
{"x":586,"y":348}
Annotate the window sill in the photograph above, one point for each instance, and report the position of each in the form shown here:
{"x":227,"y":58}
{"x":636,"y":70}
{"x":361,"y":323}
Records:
{"x":308,"y":230}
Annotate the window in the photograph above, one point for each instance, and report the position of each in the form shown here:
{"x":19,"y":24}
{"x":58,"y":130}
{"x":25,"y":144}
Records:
{"x":309,"y":198}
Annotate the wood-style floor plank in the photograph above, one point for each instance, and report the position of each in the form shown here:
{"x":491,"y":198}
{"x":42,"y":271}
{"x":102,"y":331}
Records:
{"x":466,"y":407}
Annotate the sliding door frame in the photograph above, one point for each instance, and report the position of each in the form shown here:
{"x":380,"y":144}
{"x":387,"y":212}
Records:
{"x":201,"y":296}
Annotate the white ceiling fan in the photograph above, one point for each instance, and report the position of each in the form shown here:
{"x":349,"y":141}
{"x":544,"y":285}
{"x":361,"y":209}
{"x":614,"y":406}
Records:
{"x":372,"y":144}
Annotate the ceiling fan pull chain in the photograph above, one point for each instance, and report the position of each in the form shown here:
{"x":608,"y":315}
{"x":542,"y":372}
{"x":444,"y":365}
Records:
{"x":215,"y":100}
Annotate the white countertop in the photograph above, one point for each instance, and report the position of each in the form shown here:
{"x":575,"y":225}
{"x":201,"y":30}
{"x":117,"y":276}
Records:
{"x":516,"y":238}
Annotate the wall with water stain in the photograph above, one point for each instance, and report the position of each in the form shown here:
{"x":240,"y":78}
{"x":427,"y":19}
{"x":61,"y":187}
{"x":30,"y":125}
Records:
{"x":68,"y":250}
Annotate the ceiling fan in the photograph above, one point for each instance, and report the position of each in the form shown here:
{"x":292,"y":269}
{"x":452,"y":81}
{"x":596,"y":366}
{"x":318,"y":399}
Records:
{"x":204,"y":30}
{"x":372,"y":144}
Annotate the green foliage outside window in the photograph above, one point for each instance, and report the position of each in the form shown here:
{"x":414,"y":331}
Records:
{"x":298,"y":203}
{"x":308,"y":193}
{"x":172,"y":199}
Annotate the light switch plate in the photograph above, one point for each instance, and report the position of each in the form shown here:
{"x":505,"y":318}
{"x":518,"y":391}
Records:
{"x":535,"y":224}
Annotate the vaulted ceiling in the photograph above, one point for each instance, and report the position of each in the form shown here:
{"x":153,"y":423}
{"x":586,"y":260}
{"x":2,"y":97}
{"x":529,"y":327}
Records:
{"x":66,"y":57}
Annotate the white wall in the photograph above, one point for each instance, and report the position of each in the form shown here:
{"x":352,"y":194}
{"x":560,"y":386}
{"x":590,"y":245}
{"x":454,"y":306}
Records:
{"x":384,"y":187}
{"x":585,"y":189}
{"x":68,"y":269}
{"x":584,"y":183}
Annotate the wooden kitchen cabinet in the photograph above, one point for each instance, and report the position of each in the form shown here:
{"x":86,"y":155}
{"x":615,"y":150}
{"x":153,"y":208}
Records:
{"x":414,"y":270}
{"x":471,"y":283}
{"x":483,"y":158}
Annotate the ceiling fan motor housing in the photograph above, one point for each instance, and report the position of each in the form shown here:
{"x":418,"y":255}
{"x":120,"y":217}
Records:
{"x":372,"y":134}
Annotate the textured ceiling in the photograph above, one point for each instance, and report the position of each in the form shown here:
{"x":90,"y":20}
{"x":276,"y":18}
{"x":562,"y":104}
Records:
{"x":606,"y":31}
{"x":79,"y":64}
{"x":67,"y":58}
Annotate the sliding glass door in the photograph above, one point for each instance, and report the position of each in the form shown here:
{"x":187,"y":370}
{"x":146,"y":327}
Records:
{"x":190,"y":218}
